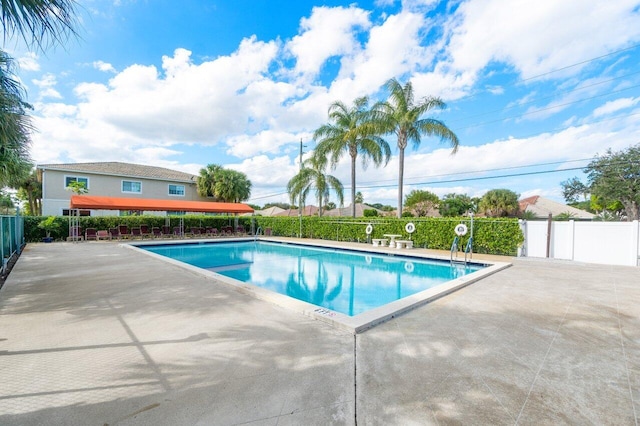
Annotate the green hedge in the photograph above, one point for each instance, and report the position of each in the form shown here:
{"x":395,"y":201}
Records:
{"x":491,"y":236}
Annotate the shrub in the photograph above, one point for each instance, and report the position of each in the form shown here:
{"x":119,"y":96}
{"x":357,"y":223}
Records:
{"x":370,"y":213}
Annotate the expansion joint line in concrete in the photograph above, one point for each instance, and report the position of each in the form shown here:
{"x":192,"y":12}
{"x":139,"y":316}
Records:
{"x":355,"y":379}
{"x":624,"y":355}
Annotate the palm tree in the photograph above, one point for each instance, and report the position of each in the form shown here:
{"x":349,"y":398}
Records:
{"x":223,"y":184}
{"x":39,"y":20}
{"x":312,"y":176}
{"x":232,"y":186}
{"x":15,"y":125}
{"x":30,"y":188}
{"x":351,"y":132}
{"x":400,"y":115}
{"x":206,"y":182}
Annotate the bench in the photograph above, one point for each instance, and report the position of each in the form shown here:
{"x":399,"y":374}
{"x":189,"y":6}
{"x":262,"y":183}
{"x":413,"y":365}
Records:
{"x":380,"y":242}
{"x":404,"y":243}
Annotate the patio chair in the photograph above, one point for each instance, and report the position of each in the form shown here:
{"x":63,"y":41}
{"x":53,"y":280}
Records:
{"x":213,"y":232}
{"x":144,"y":230}
{"x":195,"y":231}
{"x":166,"y":231}
{"x":123,"y":231}
{"x":136,"y":232}
{"x":115,"y":233}
{"x":103,"y":234}
{"x":90,"y":234}
{"x":178,"y":232}
{"x":240,"y":230}
{"x":156,"y":232}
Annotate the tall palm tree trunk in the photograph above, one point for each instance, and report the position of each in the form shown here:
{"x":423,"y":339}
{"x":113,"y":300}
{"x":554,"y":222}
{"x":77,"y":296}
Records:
{"x":353,"y":186}
{"x":400,"y":180}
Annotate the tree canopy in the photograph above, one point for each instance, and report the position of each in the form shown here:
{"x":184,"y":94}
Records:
{"x":222,"y":184}
{"x":457,"y":205}
{"x":499,"y":203}
{"x":615,"y":176}
{"x":421,"y":202}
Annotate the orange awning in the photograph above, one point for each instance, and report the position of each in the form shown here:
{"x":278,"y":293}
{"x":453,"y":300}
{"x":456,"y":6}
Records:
{"x":116,"y":203}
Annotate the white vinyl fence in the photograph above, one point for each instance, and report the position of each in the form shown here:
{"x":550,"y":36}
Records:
{"x":611,"y":243}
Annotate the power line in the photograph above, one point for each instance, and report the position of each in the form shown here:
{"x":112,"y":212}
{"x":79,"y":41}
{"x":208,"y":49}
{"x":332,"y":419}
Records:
{"x":583,"y":62}
{"x":615,"y":52}
{"x":548,"y":108}
{"x":493,"y":170}
{"x":543,"y":98}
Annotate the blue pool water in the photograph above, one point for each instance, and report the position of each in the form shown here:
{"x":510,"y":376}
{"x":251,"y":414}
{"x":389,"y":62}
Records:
{"x":344,"y":281}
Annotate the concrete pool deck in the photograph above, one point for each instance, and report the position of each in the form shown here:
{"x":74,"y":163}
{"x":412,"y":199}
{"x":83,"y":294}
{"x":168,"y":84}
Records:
{"x":95,"y":333}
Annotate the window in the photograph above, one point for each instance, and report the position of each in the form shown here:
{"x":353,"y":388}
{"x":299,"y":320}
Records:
{"x":67,"y":212}
{"x":176,"y":190}
{"x":131,"y":186}
{"x":69,"y":179}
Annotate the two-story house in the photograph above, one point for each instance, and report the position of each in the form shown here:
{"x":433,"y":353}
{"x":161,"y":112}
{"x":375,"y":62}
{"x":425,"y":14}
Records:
{"x":112,"y":179}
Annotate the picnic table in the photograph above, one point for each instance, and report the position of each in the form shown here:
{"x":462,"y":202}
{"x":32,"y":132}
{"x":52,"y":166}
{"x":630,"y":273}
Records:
{"x":392,"y":239}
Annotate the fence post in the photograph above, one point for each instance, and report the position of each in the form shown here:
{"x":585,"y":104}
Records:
{"x":549,"y":222}
{"x":635,"y":244}
{"x":522,"y":250}
{"x":572,"y":238}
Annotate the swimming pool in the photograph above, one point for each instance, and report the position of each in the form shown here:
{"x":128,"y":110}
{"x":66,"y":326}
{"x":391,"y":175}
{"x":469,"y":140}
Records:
{"x":337,"y":282}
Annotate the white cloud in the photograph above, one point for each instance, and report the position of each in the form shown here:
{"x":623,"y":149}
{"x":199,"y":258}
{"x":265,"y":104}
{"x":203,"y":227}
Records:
{"x":614,"y":106}
{"x":266,"y":141}
{"x":46,"y":86}
{"x":327,"y":32}
{"x":103,"y":66}
{"x":194,"y":103}
{"x":536,"y":37}
{"x":29,"y":62}
{"x":393,"y":49}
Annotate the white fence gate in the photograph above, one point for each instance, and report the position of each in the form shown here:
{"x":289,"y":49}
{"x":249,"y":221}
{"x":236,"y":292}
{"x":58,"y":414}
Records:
{"x":611,"y":243}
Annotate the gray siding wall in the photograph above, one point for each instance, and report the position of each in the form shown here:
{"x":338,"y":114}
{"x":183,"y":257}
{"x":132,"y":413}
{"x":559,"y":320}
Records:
{"x":55,"y":197}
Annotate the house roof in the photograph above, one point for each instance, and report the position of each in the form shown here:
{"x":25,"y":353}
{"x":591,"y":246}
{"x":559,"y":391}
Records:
{"x":114,"y":168}
{"x":306,"y":211}
{"x":346,"y":211}
{"x":337,"y":212}
{"x":541,"y":207}
{"x":270,"y":211}
{"x":147,"y":204}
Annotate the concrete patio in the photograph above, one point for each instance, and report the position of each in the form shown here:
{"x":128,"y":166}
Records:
{"x":97,"y":334}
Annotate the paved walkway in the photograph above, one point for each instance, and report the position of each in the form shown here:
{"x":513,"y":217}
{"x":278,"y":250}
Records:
{"x":94,"y":334}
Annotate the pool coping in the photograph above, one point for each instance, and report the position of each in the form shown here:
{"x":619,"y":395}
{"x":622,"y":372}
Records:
{"x":355,"y":324}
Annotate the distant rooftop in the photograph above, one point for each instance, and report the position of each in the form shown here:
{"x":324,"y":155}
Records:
{"x":541,"y":207}
{"x":115,"y":168}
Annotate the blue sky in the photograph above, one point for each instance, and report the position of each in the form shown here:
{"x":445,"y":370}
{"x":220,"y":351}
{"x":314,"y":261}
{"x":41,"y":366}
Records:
{"x":530,"y":86}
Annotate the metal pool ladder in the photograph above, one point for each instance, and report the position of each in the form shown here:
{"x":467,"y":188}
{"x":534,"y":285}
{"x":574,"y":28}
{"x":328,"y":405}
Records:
{"x":454,"y":251}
